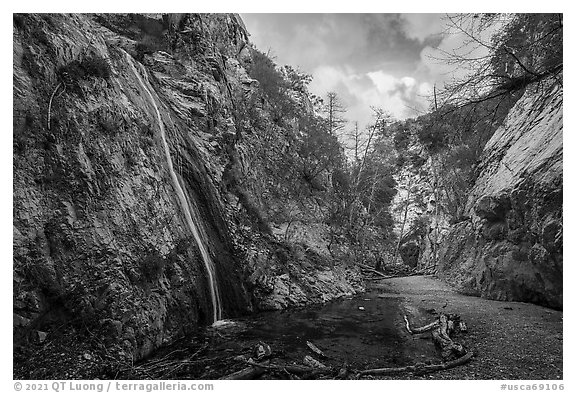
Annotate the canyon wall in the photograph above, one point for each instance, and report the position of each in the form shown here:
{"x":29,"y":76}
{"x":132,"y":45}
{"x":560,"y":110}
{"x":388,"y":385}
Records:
{"x":126,"y":132}
{"x":510,"y":248}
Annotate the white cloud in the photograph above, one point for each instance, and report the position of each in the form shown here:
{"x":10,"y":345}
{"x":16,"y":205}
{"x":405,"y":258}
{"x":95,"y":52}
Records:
{"x":402,"y":97}
{"x":383,"y":82}
{"x":383,"y":60}
{"x":425,"y":89}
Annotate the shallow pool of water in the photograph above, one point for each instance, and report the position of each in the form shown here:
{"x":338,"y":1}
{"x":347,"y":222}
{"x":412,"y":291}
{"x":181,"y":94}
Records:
{"x":365,"y":331}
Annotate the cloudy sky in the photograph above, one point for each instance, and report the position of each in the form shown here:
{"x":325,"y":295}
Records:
{"x":368,"y":59}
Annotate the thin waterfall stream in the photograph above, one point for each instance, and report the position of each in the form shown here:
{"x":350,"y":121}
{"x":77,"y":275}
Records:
{"x":208,"y":262}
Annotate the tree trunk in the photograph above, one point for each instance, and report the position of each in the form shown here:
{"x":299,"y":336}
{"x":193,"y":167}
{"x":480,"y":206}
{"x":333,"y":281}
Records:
{"x":449,"y":349}
{"x":441,"y":330}
{"x":246,"y":373}
{"x":419,"y":368}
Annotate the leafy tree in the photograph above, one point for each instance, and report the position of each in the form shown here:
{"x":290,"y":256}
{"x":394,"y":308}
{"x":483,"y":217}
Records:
{"x":319,"y":151}
{"x":359,"y":214}
{"x":273,"y":86}
{"x":297,"y":79}
{"x":297,"y":170}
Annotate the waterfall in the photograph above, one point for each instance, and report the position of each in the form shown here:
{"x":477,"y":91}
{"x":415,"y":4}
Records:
{"x":191,"y":218}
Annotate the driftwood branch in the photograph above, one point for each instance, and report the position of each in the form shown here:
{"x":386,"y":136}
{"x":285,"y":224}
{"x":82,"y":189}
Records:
{"x":292,"y":368}
{"x":420,"y":368}
{"x":441,"y":329}
{"x":316,"y":350}
{"x":246,"y":373}
{"x":441,"y":336}
{"x":423,"y":329}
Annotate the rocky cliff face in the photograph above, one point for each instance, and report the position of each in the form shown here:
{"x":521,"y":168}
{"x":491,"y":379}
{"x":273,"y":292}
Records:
{"x":511,"y":248}
{"x":125,"y":126}
{"x":421,"y":219}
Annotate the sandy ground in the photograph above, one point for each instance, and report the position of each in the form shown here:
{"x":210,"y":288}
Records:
{"x":512,"y":340}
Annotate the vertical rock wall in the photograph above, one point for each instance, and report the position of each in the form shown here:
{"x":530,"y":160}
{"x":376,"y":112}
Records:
{"x":99,"y":234}
{"x":100,"y":239}
{"x":511,"y":248}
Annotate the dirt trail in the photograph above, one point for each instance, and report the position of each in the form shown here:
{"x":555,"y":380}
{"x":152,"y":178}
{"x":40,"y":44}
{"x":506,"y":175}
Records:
{"x":513,"y":340}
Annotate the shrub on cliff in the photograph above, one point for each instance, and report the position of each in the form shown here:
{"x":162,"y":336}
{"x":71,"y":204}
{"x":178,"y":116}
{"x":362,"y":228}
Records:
{"x":96,"y":66}
{"x":273,"y":86}
{"x":91,"y":66}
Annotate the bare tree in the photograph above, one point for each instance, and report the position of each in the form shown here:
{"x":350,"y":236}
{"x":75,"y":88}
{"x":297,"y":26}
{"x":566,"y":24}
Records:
{"x":367,"y":175}
{"x":501,"y":53}
{"x":334,"y":110}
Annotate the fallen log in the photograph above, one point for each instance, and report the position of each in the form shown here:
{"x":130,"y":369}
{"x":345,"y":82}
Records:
{"x":374,"y":271}
{"x":401,"y":273}
{"x":246,"y":373}
{"x":382,"y":277}
{"x":441,"y":330}
{"x":371,"y":269}
{"x":292,"y":368}
{"x":314,"y":364}
{"x":441,"y":336}
{"x":364,"y":266}
{"x":420,"y":368}
{"x":423,"y":329}
{"x":316,"y":350}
